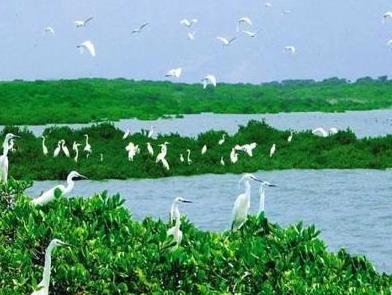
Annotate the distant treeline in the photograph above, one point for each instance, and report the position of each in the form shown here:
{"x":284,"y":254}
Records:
{"x":305,"y":151}
{"x":87,"y":100}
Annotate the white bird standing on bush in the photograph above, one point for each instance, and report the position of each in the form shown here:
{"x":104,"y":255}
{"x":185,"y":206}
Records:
{"x":150,"y":149}
{"x":188,"y":158}
{"x":320,"y":132}
{"x":57,"y":149}
{"x":4,"y":157}
{"x":182,"y":160}
{"x":242,"y":203}
{"x":64,"y":148}
{"x":162,"y":156}
{"x":174,"y":234}
{"x":87,"y":147}
{"x":272,"y":150}
{"x":132,"y":150}
{"x":75,"y":148}
{"x":50,"y":194}
{"x":87,"y":45}
{"x":204,"y":149}
{"x":263,"y":185}
{"x":174,"y":211}
{"x":233,"y":156}
{"x":44,"y":148}
{"x":222,"y":162}
{"x":222,"y":140}
{"x":43,"y":286}
{"x":290,"y":138}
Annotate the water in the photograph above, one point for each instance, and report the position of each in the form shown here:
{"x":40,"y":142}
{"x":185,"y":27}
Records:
{"x":352,"y":208}
{"x":363,"y":123}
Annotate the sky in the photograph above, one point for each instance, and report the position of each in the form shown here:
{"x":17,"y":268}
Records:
{"x":333,"y":38}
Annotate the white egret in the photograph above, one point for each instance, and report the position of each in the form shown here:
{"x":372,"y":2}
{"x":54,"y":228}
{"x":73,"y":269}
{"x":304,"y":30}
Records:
{"x":75,"y":148}
{"x":226,"y":41}
{"x":140,"y":28}
{"x":82,"y":23}
{"x":332,"y":131}
{"x":57,"y":149}
{"x":162,"y":156}
{"x":49,"y":30}
{"x":4,"y":157}
{"x":222,"y":162}
{"x":268,"y":4}
{"x":248,"y":148}
{"x":242,"y":203}
{"x":50,"y":194}
{"x":132,"y":150}
{"x":87,"y":147}
{"x":290,"y":138}
{"x":290,"y":49}
{"x":208,"y":80}
{"x":320,"y":132}
{"x":204,"y":149}
{"x":150,"y":149}
{"x":250,"y":34}
{"x":174,"y":234}
{"x":64,"y":148}
{"x":222,"y":140}
{"x":151,"y":132}
{"x":101,"y":157}
{"x":126,"y":134}
{"x":188,"y":23}
{"x":285,"y":11}
{"x":387,"y":15}
{"x":174,"y":73}
{"x":191,"y":35}
{"x":389,"y":43}
{"x":43,"y":286}
{"x":188,"y":158}
{"x":243,"y":21}
{"x":89,"y":46}
{"x":233,"y":156}
{"x":44,"y":148}
{"x":262,"y":194}
{"x":182,"y":158}
{"x":272,"y":150}
{"x":174,"y":211}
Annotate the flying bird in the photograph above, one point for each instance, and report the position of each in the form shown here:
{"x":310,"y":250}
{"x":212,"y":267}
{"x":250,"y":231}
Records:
{"x":82,"y":23}
{"x":140,"y":28}
{"x":387,"y":15}
{"x":226,"y":41}
{"x":209,"y":80}
{"x":49,"y":30}
{"x":174,"y":73}
{"x":191,"y":36}
{"x":87,"y":45}
{"x":250,"y":34}
{"x":290,"y":49}
{"x":188,"y":23}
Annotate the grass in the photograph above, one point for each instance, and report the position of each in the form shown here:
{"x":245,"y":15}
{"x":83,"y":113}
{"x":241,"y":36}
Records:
{"x":306,"y":151}
{"x":113,"y":254}
{"x":87,"y":100}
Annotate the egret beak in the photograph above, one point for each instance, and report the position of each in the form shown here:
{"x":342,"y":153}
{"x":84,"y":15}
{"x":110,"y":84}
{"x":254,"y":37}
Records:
{"x":82,"y":176}
{"x":186,"y":201}
{"x":272,"y":185}
{"x":15,"y":136}
{"x":257,"y":179}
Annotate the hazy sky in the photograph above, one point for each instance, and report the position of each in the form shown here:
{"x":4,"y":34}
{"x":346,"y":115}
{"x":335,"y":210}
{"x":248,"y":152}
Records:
{"x":333,"y":38}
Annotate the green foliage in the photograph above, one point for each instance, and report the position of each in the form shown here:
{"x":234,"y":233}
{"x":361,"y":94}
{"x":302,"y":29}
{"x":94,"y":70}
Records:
{"x":306,"y":151}
{"x":86,"y":100}
{"x":111,"y":253}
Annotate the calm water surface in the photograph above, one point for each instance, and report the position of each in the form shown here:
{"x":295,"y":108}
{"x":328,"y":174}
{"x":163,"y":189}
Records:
{"x":352,"y":208}
{"x":363,"y":123}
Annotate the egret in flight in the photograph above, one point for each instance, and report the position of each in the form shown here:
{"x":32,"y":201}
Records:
{"x":87,"y":147}
{"x":263,"y":185}
{"x":290,"y":49}
{"x":242,"y":203}
{"x":248,"y":148}
{"x":191,"y":35}
{"x":226,"y":41}
{"x":43,"y":286}
{"x":140,"y":28}
{"x":82,"y":23}
{"x":4,"y":157}
{"x":250,"y":34}
{"x":87,"y":45}
{"x":44,"y":148}
{"x":50,"y":194}
{"x":49,"y":30}
{"x":387,"y":15}
{"x":174,"y":73}
{"x":188,"y":23}
{"x":243,"y":21}
{"x":209,"y":80}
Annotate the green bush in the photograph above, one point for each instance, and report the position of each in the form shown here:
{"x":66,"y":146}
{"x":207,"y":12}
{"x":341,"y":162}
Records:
{"x":113,"y":254}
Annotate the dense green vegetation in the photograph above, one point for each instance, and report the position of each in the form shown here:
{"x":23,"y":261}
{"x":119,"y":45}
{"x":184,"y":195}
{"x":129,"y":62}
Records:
{"x":86,"y":100}
{"x":113,"y":254}
{"x":306,"y":151}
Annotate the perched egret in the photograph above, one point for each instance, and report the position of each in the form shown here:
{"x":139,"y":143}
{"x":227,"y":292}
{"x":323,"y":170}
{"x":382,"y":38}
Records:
{"x":162,"y":156}
{"x":4,"y":157}
{"x":49,"y":195}
{"x":290,"y":49}
{"x":272,"y":150}
{"x":174,"y":211}
{"x":188,"y":158}
{"x":174,"y":73}
{"x":242,"y":203}
{"x":64,"y":148}
{"x":82,"y":23}
{"x":49,"y":30}
{"x":87,"y":147}
{"x":208,"y":80}
{"x":332,"y":131}
{"x":43,"y":286}
{"x":222,"y":162}
{"x":101,"y":155}
{"x":262,"y":194}
{"x":44,"y":148}
{"x":320,"y":132}
{"x":57,"y":149}
{"x":290,"y":138}
{"x":151,"y":132}
{"x":140,"y":28}
{"x":87,"y":45}
{"x":204,"y":149}
{"x":126,"y":134}
{"x":75,"y":148}
{"x":188,"y":23}
{"x":132,"y":150}
{"x":226,"y":41}
{"x":150,"y":149}
{"x":233,"y":156}
{"x":222,"y":140}
{"x":191,"y":35}
{"x":182,"y":158}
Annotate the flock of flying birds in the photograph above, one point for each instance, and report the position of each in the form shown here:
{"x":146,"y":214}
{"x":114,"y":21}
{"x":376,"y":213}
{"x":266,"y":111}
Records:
{"x":243,"y":26}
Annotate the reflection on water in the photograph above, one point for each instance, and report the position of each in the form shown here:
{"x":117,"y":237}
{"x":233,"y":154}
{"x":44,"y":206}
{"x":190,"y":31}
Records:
{"x":364,"y":123}
{"x":352,"y":208}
